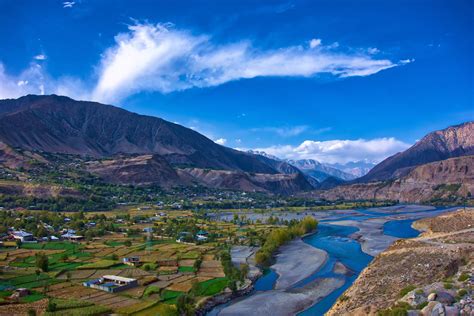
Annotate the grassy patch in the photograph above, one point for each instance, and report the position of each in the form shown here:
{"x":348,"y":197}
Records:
{"x":407,"y":289}
{"x":212,"y":287}
{"x":463,"y":277}
{"x":185,"y":269}
{"x":158,"y":309}
{"x":82,"y":311}
{"x":190,"y":255}
{"x":33,"y":297}
{"x":151,"y":290}
{"x":101,"y":264}
{"x":170,"y":296}
{"x":69,"y":303}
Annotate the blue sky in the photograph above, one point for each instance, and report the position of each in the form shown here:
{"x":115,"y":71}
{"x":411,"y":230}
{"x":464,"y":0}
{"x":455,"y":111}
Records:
{"x":332,"y":80}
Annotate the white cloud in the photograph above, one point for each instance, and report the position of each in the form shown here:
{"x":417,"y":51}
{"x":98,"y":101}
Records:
{"x":283,"y":131}
{"x":339,"y":151}
{"x":314,"y":42}
{"x":68,"y":4}
{"x":220,"y":141}
{"x":373,"y":50}
{"x":161,"y":58}
{"x":165,"y":59}
{"x":40,"y":57}
{"x":28,"y":82}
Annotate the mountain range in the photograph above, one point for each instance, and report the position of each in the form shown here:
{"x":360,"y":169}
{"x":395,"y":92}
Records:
{"x":122,"y":147}
{"x":129,"y":148}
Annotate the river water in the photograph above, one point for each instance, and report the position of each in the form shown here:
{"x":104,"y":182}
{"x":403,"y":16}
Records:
{"x":335,"y":240}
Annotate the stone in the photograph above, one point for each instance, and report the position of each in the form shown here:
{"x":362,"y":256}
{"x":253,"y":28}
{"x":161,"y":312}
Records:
{"x":431,"y":297}
{"x":438,"y":310}
{"x":413,"y":298}
{"x":445,"y":298}
{"x":451,"y":311}
{"x":433,"y":308}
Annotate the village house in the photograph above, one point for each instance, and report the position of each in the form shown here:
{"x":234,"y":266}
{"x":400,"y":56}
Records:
{"x":131,"y":261}
{"x":23,"y":236}
{"x":111,"y":283}
{"x":202,"y":235}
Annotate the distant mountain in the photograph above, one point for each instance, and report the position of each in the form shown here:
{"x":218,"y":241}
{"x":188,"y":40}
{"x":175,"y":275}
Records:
{"x":355,"y":168}
{"x":115,"y":137}
{"x":320,"y":171}
{"x":454,"y":141}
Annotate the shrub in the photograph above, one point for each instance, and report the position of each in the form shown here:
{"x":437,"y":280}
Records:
{"x":407,"y":289}
{"x":463,"y":277}
{"x":461,"y":294}
{"x":51,"y":306}
{"x":448,"y":285}
{"x":421,"y":305}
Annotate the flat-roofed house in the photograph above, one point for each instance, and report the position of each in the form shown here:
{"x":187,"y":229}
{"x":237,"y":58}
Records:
{"x":132,"y":261}
{"x":23,"y":236}
{"x":111,"y":283}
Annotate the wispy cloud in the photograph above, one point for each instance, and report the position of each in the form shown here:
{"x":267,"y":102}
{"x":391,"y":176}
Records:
{"x":220,"y":141}
{"x":283,"y":131}
{"x":68,"y":4}
{"x":339,"y":151}
{"x":290,"y":131}
{"x":40,"y":57}
{"x":162,"y":58}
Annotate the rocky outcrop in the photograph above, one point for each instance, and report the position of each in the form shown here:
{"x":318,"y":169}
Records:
{"x":441,"y":180}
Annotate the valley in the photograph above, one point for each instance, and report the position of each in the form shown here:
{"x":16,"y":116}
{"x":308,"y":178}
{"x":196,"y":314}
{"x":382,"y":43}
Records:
{"x":145,"y":217}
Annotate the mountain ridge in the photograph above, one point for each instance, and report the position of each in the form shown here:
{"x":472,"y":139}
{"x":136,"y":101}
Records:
{"x":137,"y":149}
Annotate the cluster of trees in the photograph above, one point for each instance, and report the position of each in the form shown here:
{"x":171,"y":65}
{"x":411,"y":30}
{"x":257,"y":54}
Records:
{"x":35,"y":223}
{"x":280,"y":236}
{"x":232,"y":273}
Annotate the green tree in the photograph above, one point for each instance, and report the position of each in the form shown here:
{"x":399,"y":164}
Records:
{"x":42,"y":262}
{"x":185,"y":305}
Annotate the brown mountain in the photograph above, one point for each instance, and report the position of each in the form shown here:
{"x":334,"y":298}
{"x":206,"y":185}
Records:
{"x":454,"y":141}
{"x":129,"y":148}
{"x":441,"y":180}
{"x":62,"y":125}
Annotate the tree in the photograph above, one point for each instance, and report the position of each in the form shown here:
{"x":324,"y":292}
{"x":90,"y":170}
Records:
{"x":244,"y":271}
{"x":42,"y":261}
{"x":185,"y":305}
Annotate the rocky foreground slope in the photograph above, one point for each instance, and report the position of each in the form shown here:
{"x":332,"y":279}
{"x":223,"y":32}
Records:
{"x":428,"y":275}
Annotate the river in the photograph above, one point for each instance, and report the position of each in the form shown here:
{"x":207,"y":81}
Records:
{"x":340,"y":234}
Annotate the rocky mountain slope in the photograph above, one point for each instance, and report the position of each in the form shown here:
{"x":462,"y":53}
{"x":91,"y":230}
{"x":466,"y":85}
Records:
{"x":128,"y":148}
{"x":437,"y":168}
{"x":441,"y":180}
{"x":454,"y":141}
{"x":431,"y":273}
